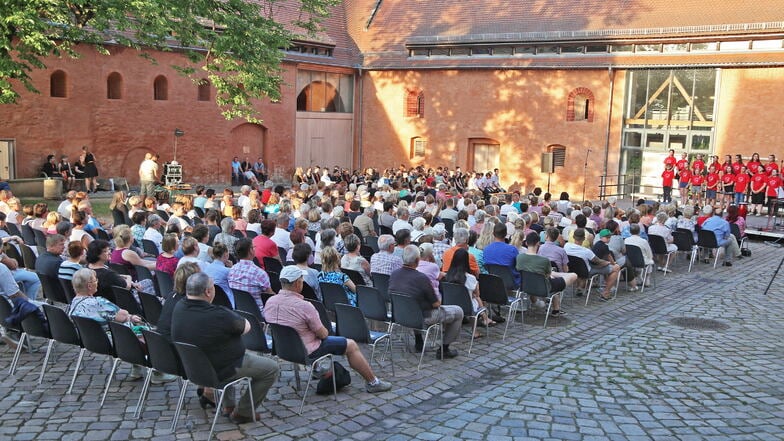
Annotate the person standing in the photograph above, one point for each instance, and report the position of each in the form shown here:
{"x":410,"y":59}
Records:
{"x":668,"y":175}
{"x":148,"y":175}
{"x":90,"y":170}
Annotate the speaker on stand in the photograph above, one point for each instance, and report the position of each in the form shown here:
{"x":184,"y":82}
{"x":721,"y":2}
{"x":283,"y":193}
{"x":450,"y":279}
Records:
{"x":548,"y":166}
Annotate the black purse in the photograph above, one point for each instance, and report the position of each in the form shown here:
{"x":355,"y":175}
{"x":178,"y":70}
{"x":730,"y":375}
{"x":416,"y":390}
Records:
{"x":342,"y":379}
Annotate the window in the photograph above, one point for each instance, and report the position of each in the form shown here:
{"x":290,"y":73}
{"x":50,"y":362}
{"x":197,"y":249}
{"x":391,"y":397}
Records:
{"x":160,"y":89}
{"x":415,"y":103}
{"x":484,"y":154}
{"x":418,"y":147}
{"x":580,"y":104}
{"x":559,"y":154}
{"x":114,"y":86}
{"x":325,"y":92}
{"x":204,"y":90}
{"x":57,"y":84}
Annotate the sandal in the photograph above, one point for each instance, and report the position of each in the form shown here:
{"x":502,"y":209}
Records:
{"x":478,"y":335}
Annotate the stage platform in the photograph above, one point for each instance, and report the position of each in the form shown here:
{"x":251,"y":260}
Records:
{"x":765,"y":228}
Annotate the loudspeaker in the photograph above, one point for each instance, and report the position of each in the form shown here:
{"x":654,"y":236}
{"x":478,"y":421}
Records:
{"x":548,"y":164}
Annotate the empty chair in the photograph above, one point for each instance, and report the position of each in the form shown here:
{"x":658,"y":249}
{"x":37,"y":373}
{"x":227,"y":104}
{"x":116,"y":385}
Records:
{"x":578,"y":266}
{"x":150,"y":247}
{"x":333,"y":293}
{"x":95,"y":340}
{"x":52,"y":289}
{"x":659,"y":248}
{"x":372,"y":304}
{"x":163,"y":358}
{"x":164,"y":283}
{"x":706,"y":240}
{"x":62,"y":330}
{"x":636,"y":260}
{"x":151,"y":305}
{"x":352,"y":324}
{"x":684,"y":240}
{"x":33,"y":325}
{"x":129,"y":349}
{"x":289,"y":347}
{"x":493,"y":291}
{"x":381,"y":281}
{"x":125,"y":300}
{"x":406,"y":313}
{"x":538,"y":285}
{"x":255,"y":339}
{"x":199,"y":371}
{"x":455,"y":294}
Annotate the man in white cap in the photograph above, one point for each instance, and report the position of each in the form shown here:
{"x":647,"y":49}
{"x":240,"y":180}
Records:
{"x":289,"y":308}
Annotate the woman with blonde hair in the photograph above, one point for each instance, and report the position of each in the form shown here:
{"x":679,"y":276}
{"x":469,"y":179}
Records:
{"x":50,"y":224}
{"x":123,"y":255}
{"x":331,"y":273}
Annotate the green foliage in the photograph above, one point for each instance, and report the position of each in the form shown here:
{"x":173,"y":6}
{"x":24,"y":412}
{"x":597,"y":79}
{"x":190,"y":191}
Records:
{"x":236,"y":44}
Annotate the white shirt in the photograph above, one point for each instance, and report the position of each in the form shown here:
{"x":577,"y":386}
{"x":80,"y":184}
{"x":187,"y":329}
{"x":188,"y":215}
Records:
{"x":155,"y":236}
{"x":282,"y":238}
{"x":508,"y":208}
{"x":400,"y":224}
{"x":64,"y":209}
{"x":581,"y":252}
{"x":147,"y":170}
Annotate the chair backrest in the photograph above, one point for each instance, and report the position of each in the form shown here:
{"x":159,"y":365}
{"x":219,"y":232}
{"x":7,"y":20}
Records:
{"x":125,"y":300}
{"x":492,"y":289}
{"x":272,"y":264}
{"x":535,"y":284}
{"x":308,"y":292}
{"x":149,"y":247}
{"x":164,"y":215}
{"x":372,"y":242}
{"x":634,"y":256}
{"x":372,"y":303}
{"x":61,"y":327}
{"x":100,"y":233}
{"x":197,"y":366}
{"x":68,"y":289}
{"x":163,"y":356}
{"x":366,"y":251}
{"x":250,"y":234}
{"x":118,"y":218}
{"x":243,"y":301}
{"x":255,"y":340}
{"x":316,"y":266}
{"x":287,"y":344}
{"x":707,"y":239}
{"x":683,"y":240}
{"x":504,"y":272}
{"x":53,"y":290}
{"x":282,"y":254}
{"x":164,"y":283}
{"x":127,"y":345}
{"x":120,"y":269}
{"x":449,"y":226}
{"x":5,"y":309}
{"x":354,"y":275}
{"x":221,"y":298}
{"x":351,"y":323}
{"x":28,"y":236}
{"x":381,"y":281}
{"x":34,"y":325}
{"x":142,"y":273}
{"x":40,"y":238}
{"x":151,"y":305}
{"x":93,"y":336}
{"x":332,"y":293}
{"x":11,"y":251}
{"x":323,"y":316}
{"x":657,"y":243}
{"x":456,"y":294}
{"x":406,"y":311}
{"x":274,"y":278}
{"x":385,"y":230}
{"x":12,"y":229}
{"x":735,"y":230}
{"x":28,"y":256}
{"x":577,"y":265}
{"x":199,"y":211}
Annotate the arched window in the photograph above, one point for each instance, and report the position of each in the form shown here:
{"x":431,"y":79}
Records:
{"x":415,"y":103}
{"x":580,"y":104}
{"x":161,"y":88}
{"x":418,"y":148}
{"x":204,"y":90}
{"x":114,"y":86}
{"x":57,"y":84}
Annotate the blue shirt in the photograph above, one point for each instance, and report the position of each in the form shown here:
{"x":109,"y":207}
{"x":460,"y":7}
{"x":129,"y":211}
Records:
{"x":500,"y":253}
{"x":220,"y":276}
{"x":720,"y":228}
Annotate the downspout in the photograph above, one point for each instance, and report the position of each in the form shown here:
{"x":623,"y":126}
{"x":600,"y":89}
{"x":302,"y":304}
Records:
{"x":611,"y":74}
{"x":358,"y":112}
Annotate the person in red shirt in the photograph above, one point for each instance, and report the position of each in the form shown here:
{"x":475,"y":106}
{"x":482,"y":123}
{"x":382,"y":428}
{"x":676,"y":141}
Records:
{"x":697,"y":180}
{"x":684,"y":177}
{"x":758,"y":184}
{"x":771,"y":165}
{"x":741,"y":184}
{"x":682,"y":163}
{"x":698,"y":166}
{"x":263,"y":245}
{"x":668,"y":175}
{"x":670,"y":159}
{"x":727,"y":184}
{"x":737,"y":164}
{"x":754,"y":164}
{"x":773,"y":184}
{"x":711,"y":185}
{"x":727,"y":162}
{"x":714,"y":162}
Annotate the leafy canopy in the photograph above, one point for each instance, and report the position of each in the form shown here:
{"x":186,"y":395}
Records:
{"x":235,"y":44}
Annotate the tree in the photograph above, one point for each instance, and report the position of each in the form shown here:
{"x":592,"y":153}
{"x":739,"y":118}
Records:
{"x":236,"y":44}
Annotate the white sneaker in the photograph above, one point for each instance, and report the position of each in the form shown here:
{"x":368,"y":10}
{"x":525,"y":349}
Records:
{"x":539,"y":304}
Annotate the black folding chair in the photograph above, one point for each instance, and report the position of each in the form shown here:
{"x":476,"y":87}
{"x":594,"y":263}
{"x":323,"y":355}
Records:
{"x":243,"y":301}
{"x":52,"y":289}
{"x":706,"y":240}
{"x":129,"y":349}
{"x":308,"y":292}
{"x":95,"y":340}
{"x":492,"y":290}
{"x":256,"y":339}
{"x":323,"y":316}
{"x":636,"y":260}
{"x":68,"y":290}
{"x":200,"y":372}
{"x":28,"y":257}
{"x":164,"y":283}
{"x":354,"y":275}
{"x":659,"y":248}
{"x":28,"y":236}
{"x":62,"y":330}
{"x":505,"y":273}
{"x":577,"y":265}
{"x":125,"y":300}
{"x":163,"y":358}
{"x":333,"y":293}
{"x":458,"y":295}
{"x":221,"y":298}
{"x":351,"y":323}
{"x":149,"y":247}
{"x":381,"y":281}
{"x":151,"y":305}
{"x":32,"y":326}
{"x":143,"y":273}
{"x":11,"y":251}
{"x":40,"y":238}
{"x":538,"y":285}
{"x":684,"y":240}
{"x":406,"y":313}
{"x":372,"y":242}
{"x":272,"y":264}
{"x":288,"y":347}
{"x":372,"y":304}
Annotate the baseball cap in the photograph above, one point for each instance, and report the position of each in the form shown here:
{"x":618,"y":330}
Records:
{"x":290,"y":274}
{"x":604,"y":233}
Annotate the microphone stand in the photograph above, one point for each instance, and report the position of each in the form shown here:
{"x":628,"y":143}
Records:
{"x":585,"y":170}
{"x":774,"y":277}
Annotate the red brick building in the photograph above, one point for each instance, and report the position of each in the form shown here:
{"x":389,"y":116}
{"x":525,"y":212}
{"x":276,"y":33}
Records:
{"x":607,"y":87}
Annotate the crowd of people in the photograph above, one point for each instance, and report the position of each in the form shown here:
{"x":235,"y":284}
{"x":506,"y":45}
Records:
{"x":421,"y":227}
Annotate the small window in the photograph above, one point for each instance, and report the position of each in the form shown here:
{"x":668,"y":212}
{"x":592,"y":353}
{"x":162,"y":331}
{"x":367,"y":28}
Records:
{"x":439,"y":52}
{"x":114,"y":86}
{"x":161,"y":89}
{"x":704,"y":47}
{"x":57,"y":84}
{"x":580,"y":104}
{"x":766,"y":44}
{"x":596,"y":48}
{"x":419,"y":52}
{"x":415,"y":104}
{"x":679,"y":47}
{"x":503,"y":51}
{"x":418,"y":147}
{"x":559,"y":154}
{"x":204,"y":90}
{"x":572,"y":49}
{"x":622,"y":47}
{"x":734,"y":45}
{"x":460,"y":51}
{"x":481,"y":51}
{"x":643,"y":48}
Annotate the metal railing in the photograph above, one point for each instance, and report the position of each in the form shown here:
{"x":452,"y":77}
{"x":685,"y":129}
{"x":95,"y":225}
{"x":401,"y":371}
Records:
{"x":629,"y":185}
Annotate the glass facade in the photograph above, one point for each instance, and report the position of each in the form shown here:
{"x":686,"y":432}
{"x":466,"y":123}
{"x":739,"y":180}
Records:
{"x":666,"y":109}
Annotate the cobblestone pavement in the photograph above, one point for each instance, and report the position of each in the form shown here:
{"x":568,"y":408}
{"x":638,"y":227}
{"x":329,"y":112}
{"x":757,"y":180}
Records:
{"x":619,"y":370}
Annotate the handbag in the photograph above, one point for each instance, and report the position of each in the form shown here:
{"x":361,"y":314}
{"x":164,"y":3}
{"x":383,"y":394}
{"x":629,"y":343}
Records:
{"x":342,"y":379}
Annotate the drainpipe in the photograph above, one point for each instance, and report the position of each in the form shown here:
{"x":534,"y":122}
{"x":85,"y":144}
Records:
{"x":358,"y":115}
{"x":611,"y":75}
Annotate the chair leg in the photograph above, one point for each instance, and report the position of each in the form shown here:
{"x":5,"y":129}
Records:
{"x":76,"y":369}
{"x":424,"y":346}
{"x":590,"y":288}
{"x":46,"y":360}
{"x":693,"y":258}
{"x":509,"y":315}
{"x":667,"y":264}
{"x":18,"y":352}
{"x":109,"y":380}
{"x":473,"y":332}
{"x":217,"y":412}
{"x":250,"y":397}
{"x":547,"y":313}
{"x":176,"y":416}
{"x":296,"y":377}
{"x":143,"y":395}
